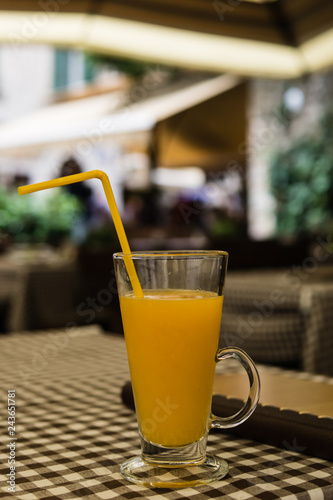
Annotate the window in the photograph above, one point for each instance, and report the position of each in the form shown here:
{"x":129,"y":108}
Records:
{"x":71,"y":69}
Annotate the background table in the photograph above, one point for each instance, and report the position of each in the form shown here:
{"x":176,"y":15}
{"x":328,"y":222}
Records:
{"x":73,"y":431}
{"x":282,"y":316}
{"x":39,"y":288}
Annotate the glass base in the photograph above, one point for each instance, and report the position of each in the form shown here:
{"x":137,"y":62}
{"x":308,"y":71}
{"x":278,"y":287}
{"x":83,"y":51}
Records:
{"x":139,"y":472}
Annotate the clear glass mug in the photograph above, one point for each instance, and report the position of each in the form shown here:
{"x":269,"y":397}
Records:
{"x":172,"y":336}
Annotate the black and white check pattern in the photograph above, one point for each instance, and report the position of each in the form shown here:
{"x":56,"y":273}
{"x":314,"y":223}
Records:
{"x":281,"y":317}
{"x":73,"y":431}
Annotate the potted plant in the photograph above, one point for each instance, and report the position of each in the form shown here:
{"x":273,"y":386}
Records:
{"x":301,"y":178}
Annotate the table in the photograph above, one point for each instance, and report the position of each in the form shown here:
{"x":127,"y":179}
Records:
{"x":282,"y":316}
{"x":33,"y":277}
{"x":73,"y":431}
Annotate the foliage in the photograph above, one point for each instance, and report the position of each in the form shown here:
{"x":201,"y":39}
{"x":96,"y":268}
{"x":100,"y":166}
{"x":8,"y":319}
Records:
{"x":127,"y":66}
{"x":27,"y":222}
{"x":102,"y":237}
{"x":301,"y":178}
{"x":131,"y":67}
{"x":224,"y":226}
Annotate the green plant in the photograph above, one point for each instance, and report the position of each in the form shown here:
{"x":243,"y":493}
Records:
{"x":101,"y":237}
{"x":50,"y":221}
{"x":131,"y":67}
{"x":301,"y":178}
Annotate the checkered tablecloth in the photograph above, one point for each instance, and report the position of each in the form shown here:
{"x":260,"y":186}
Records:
{"x":73,"y":431}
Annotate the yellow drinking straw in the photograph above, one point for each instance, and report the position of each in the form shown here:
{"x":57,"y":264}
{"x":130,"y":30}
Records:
{"x":96,"y":174}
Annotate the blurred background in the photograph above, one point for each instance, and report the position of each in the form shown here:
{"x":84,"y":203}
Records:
{"x":213,"y":121}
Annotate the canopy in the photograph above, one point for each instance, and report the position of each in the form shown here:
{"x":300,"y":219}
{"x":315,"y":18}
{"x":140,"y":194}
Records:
{"x":282,"y":38}
{"x":192,"y":124}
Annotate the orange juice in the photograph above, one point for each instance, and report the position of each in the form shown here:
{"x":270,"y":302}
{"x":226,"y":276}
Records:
{"x":171,"y":339}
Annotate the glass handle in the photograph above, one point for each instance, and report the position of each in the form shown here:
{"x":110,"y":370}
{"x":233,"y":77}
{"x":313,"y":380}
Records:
{"x":253,"y":399}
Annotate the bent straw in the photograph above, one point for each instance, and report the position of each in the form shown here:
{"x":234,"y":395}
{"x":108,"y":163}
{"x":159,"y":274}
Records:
{"x":96,"y":174}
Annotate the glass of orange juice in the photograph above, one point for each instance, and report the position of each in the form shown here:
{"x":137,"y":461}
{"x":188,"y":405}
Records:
{"x":172,"y":335}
